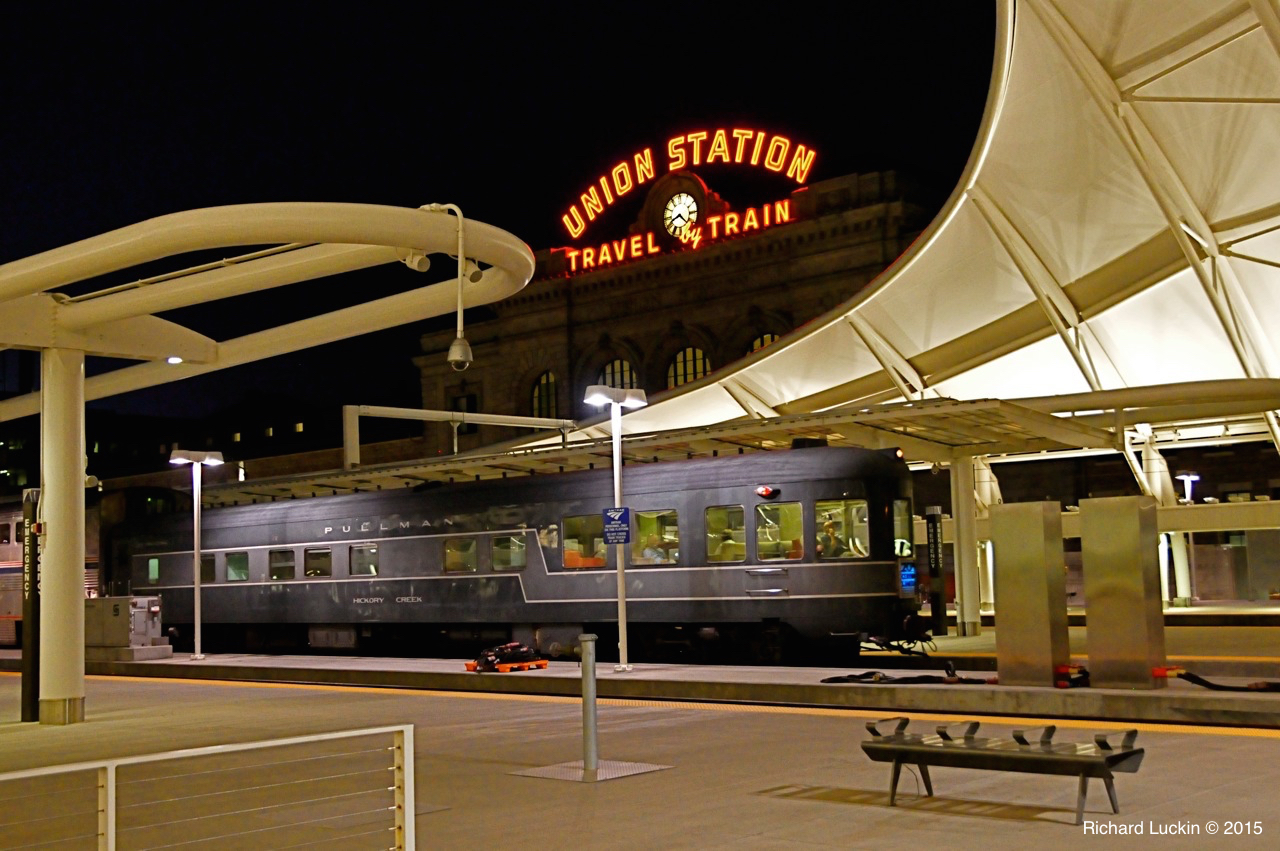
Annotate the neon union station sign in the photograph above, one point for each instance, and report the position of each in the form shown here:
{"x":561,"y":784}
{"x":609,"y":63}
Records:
{"x":770,"y":152}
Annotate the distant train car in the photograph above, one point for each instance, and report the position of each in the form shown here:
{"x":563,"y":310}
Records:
{"x":11,"y":567}
{"x":742,"y":552}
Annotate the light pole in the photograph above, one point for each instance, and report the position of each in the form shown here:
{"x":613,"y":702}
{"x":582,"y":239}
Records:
{"x":196,"y":460}
{"x":616,"y":399}
{"x":1187,"y":477}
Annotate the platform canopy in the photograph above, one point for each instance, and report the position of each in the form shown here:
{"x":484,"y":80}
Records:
{"x":307,"y":241}
{"x":1117,"y":226}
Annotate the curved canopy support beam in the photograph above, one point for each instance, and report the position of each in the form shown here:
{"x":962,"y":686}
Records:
{"x":1186,"y":220}
{"x":904,"y":376}
{"x":1062,"y":314}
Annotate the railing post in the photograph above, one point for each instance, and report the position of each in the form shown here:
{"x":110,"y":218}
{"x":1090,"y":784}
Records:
{"x":107,"y":807}
{"x":405,"y":796}
{"x":590,"y":753}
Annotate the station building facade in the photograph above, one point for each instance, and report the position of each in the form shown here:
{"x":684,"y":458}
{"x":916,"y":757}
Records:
{"x":670,"y":298}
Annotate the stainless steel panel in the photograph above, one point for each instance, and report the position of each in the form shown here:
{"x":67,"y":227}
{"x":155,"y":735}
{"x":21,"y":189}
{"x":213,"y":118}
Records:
{"x":1122,"y":591}
{"x":1031,"y":592}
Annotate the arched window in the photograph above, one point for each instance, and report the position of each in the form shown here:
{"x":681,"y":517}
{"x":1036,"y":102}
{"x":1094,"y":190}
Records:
{"x":688,"y":365}
{"x":544,"y":396}
{"x":763,"y":340}
{"x":618,"y":373}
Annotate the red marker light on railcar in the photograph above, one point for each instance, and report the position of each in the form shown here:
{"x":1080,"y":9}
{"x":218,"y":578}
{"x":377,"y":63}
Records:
{"x":766,"y":492}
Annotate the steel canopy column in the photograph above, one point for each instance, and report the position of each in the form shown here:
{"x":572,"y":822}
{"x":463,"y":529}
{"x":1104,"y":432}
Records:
{"x":62,"y":515}
{"x":987,"y":492}
{"x":965,"y":546}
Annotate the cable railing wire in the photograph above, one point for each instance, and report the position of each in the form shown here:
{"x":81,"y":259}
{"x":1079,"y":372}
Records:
{"x":107,"y":786}
{"x":244,"y":789}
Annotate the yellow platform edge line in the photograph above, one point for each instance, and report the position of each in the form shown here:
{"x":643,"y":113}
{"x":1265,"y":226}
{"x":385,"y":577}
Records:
{"x":1001,"y":720}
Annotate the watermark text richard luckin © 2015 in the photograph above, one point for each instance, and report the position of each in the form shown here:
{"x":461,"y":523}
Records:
{"x":1173,"y":828}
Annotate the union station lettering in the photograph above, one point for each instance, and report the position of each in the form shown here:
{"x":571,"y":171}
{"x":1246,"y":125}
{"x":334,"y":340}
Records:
{"x":641,"y":245}
{"x":739,"y":146}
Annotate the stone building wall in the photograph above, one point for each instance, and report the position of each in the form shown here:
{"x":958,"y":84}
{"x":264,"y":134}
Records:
{"x":718,"y":298}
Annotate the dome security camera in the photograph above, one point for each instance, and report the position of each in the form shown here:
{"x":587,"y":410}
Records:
{"x":460,"y":354}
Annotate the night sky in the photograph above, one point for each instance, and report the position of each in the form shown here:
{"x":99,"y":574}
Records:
{"x":115,"y":114}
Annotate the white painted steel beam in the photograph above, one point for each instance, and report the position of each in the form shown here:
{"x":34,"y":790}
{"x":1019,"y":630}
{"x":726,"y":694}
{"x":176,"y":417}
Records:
{"x":351,"y":415}
{"x":318,"y":240}
{"x":1268,"y":12}
{"x":277,"y":270}
{"x":904,"y":376}
{"x":748,"y":399}
{"x":1186,"y":220}
{"x":61,"y":519}
{"x":388,"y":312}
{"x":34,"y":322}
{"x":260,"y":224}
{"x":1062,"y":314}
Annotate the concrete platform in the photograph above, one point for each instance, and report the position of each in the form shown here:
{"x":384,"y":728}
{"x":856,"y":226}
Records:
{"x":741,"y":776}
{"x":1233,"y":655}
{"x":1180,"y":702}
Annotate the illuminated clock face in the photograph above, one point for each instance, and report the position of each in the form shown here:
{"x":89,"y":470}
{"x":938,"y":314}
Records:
{"x":680,"y":213}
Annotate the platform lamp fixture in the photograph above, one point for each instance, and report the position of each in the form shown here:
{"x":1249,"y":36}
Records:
{"x":459,"y":356}
{"x":196,"y":460}
{"x":1187,"y":477}
{"x":617,"y":399}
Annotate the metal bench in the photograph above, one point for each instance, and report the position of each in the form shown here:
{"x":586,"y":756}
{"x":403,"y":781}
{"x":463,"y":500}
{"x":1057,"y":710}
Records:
{"x":1098,"y":758}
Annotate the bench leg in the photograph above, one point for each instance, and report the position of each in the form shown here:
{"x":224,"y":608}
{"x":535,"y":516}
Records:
{"x":1084,"y":789}
{"x":928,"y":784}
{"x":893,"y":781}
{"x":1111,"y":793}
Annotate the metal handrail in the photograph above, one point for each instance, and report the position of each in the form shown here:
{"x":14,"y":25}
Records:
{"x":402,"y":749}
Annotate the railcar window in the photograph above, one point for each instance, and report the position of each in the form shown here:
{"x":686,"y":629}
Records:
{"x":153,"y":570}
{"x":726,"y":533}
{"x":779,"y":531}
{"x":4,"y":533}
{"x":655,"y":538}
{"x":903,"y":528}
{"x":317,"y":561}
{"x":507,"y":552}
{"x":842,"y":528}
{"x":459,"y":555}
{"x":584,"y":541}
{"x":364,"y":560}
{"x":237,"y":567}
{"x":281,"y":565}
{"x":207,"y":572}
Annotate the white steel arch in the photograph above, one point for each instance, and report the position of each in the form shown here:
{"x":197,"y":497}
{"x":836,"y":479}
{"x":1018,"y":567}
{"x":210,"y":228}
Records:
{"x":314,"y":240}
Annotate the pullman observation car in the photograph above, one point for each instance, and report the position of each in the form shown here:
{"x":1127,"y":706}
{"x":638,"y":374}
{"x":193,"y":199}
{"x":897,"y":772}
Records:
{"x":743,"y":553}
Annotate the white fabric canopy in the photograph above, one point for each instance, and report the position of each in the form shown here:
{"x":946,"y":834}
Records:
{"x":1117,"y":225}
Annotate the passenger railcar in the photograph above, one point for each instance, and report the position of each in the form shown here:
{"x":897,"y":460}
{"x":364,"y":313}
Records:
{"x":11,"y":530}
{"x":742,"y":551}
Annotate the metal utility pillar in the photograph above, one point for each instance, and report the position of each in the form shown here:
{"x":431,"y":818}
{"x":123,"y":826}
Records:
{"x":937,"y":597}
{"x":1031,"y":641}
{"x":62,"y":477}
{"x":590,"y":745}
{"x":1122,"y":591}
{"x":30,"y":608}
{"x":1155,"y":472}
{"x":1181,"y":568}
{"x":987,"y":492}
{"x":965,"y":546}
{"x":986,"y":576}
